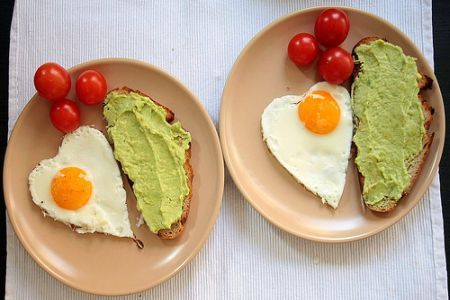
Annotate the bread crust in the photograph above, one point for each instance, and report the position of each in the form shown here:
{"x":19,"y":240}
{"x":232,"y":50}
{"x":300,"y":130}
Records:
{"x":176,"y":228}
{"x":417,"y":164}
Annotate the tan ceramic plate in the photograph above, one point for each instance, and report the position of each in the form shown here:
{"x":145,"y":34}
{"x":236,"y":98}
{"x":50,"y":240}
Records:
{"x":263,"y":72}
{"x":98,"y":263}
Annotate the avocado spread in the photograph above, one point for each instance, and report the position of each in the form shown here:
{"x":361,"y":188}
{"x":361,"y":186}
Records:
{"x":390,"y":120}
{"x":152,"y":153}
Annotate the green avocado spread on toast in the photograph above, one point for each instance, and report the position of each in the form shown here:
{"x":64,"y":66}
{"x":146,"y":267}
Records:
{"x":390,"y":121}
{"x":152,"y":153}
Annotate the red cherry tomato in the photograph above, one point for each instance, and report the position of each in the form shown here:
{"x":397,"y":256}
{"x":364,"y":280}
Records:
{"x":65,"y":115}
{"x":303,"y":49}
{"x":332,"y":26}
{"x":91,"y":87}
{"x":52,"y":81}
{"x":336,"y":65}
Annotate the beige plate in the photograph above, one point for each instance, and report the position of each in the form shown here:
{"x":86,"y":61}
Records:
{"x":263,"y":72}
{"x":98,"y":263}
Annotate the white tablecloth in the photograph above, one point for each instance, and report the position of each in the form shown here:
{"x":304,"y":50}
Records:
{"x":245,"y":256}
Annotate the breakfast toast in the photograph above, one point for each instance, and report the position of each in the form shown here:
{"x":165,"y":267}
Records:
{"x":176,"y":228}
{"x":415,"y":166}
{"x":319,"y":167}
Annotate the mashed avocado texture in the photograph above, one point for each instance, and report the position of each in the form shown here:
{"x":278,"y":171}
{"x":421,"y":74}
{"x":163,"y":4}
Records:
{"x":152,"y":153}
{"x":391,"y":121}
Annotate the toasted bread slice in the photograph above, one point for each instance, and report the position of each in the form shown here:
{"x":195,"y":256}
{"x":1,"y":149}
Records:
{"x":416,"y":165}
{"x":176,"y":228}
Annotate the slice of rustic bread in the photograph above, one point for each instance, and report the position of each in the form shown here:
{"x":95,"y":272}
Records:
{"x":415,"y":165}
{"x":176,"y":228}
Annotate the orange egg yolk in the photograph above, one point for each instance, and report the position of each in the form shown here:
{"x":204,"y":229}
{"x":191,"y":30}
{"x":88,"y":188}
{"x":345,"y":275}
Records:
{"x":70,"y":188}
{"x":320,"y":112}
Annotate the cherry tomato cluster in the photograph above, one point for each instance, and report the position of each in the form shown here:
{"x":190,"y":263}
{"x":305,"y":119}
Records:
{"x":330,"y":30}
{"x":53,"y":82}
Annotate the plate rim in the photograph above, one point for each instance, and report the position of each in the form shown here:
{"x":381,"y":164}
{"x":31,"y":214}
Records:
{"x":231,"y":165}
{"x":7,"y":191}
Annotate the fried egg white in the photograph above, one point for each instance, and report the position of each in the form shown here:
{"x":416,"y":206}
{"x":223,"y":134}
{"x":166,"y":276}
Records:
{"x":82,"y":185}
{"x":310,"y":135}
